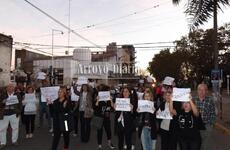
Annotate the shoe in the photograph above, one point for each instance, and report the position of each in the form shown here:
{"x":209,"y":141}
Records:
{"x":75,"y":135}
{"x":2,"y":146}
{"x":125,"y":146}
{"x":133,"y":147}
{"x":31,"y":136}
{"x":111,"y":146}
{"x":27,"y":136}
{"x":99,"y":147}
{"x":51,"y":130}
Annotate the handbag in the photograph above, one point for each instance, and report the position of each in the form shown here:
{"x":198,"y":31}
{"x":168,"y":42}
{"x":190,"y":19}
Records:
{"x":97,"y":122}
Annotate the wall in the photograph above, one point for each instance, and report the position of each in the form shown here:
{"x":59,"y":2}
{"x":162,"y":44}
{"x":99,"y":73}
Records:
{"x":5,"y":57}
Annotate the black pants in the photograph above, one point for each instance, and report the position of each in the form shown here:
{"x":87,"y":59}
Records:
{"x":29,"y":121}
{"x":189,"y":144}
{"x":168,"y":140}
{"x":107,"y":127}
{"x":75,"y":124}
{"x":124,"y":134}
{"x":56,"y":138}
{"x":85,"y":127}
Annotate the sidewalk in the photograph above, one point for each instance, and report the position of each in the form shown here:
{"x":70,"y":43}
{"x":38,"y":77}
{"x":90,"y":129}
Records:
{"x":224,"y":123}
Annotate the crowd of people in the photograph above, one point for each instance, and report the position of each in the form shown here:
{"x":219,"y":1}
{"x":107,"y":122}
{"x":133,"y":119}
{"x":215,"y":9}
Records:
{"x":189,"y":128}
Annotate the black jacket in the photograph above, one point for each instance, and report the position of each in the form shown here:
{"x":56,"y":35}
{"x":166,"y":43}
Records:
{"x":60,"y":114}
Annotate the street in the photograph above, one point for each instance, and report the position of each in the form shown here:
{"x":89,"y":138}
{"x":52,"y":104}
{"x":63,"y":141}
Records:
{"x":43,"y":139}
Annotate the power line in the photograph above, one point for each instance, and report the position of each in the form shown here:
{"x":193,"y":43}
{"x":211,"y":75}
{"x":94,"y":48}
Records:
{"x":60,"y":23}
{"x":104,"y":46}
{"x":118,"y":18}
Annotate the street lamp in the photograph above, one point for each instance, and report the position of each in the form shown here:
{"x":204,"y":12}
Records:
{"x":52,"y":60}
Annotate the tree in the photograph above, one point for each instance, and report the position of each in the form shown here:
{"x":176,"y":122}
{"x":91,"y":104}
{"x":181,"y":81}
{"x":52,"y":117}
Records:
{"x":191,"y":60}
{"x":200,"y":11}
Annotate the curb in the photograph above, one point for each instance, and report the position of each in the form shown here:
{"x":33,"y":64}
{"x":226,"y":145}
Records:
{"x":222,"y":128}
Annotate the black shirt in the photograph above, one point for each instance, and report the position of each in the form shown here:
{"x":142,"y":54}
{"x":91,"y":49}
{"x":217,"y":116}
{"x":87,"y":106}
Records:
{"x":188,"y":125}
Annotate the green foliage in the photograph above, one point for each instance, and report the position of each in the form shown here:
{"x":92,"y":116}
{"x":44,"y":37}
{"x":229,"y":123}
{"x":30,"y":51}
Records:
{"x":193,"y":58}
{"x":199,"y":11}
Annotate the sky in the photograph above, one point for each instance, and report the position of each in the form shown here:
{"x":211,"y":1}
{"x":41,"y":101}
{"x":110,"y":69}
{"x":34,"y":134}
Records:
{"x":120,"y":21}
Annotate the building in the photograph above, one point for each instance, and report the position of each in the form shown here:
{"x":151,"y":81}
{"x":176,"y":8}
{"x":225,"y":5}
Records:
{"x":113,"y":66}
{"x":24,"y":59}
{"x":5,"y":57}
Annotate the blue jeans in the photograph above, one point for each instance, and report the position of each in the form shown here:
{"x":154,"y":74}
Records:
{"x":147,"y":142}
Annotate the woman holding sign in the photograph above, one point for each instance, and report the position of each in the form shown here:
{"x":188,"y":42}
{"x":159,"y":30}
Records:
{"x":189,"y":125}
{"x":124,"y":121}
{"x":147,"y":123}
{"x":103,"y":108}
{"x":167,"y":125}
{"x":30,"y":111}
{"x":62,"y":119}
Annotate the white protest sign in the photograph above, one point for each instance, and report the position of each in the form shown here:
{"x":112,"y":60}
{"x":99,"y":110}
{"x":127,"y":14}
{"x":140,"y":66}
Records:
{"x":30,"y":98}
{"x":104,"y":95}
{"x":11,"y":100}
{"x":168,"y":81}
{"x":164,"y":114}
{"x":82,"y":80}
{"x":140,"y":95}
{"x":49,"y":93}
{"x":41,"y":76}
{"x":181,"y":94}
{"x":74,"y":97}
{"x":123,"y":104}
{"x":145,"y":106}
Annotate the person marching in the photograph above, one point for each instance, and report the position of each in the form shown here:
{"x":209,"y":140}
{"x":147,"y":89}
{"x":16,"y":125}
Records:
{"x":85,"y":105}
{"x":62,"y":122}
{"x":30,"y":111}
{"x":189,"y":125}
{"x":103,"y":110}
{"x":124,"y":122}
{"x":147,"y":124}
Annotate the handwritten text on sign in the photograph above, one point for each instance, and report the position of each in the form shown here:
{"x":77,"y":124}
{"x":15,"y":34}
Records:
{"x":104,"y":95}
{"x":145,"y":106}
{"x":74,"y":97}
{"x":181,"y":94}
{"x":163,"y":114}
{"x":12,"y":100}
{"x":49,"y":93}
{"x":123,"y":104}
{"x":82,"y":80}
{"x":30,"y":98}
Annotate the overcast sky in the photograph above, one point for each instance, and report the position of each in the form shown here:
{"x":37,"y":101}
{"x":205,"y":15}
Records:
{"x":164,"y":23}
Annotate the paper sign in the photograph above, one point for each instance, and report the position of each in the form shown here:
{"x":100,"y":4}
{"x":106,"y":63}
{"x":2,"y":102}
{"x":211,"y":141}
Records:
{"x":30,"y":98}
{"x":11,"y":100}
{"x":145,"y":106}
{"x":41,"y":76}
{"x":49,"y":93}
{"x":123,"y":104}
{"x":163,"y":114}
{"x":104,"y":95}
{"x":82,"y":80}
{"x":168,"y":81}
{"x":74,"y":97}
{"x":181,"y":94}
{"x":140,"y":95}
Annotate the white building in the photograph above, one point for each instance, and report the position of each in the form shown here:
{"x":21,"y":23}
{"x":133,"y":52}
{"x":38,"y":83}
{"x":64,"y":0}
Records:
{"x":5,"y":57}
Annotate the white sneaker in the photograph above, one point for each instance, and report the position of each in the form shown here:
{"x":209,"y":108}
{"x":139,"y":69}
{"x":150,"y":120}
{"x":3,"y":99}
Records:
{"x":51,"y":130}
{"x":133,"y":147}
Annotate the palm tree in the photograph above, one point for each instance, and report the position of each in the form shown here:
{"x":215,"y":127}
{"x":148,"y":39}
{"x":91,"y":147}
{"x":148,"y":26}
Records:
{"x":199,"y":11}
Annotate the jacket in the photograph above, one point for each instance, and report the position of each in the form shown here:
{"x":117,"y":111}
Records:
{"x":16,"y":107}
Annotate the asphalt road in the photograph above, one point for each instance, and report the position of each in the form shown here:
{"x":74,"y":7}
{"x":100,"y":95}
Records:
{"x":42,"y":141}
